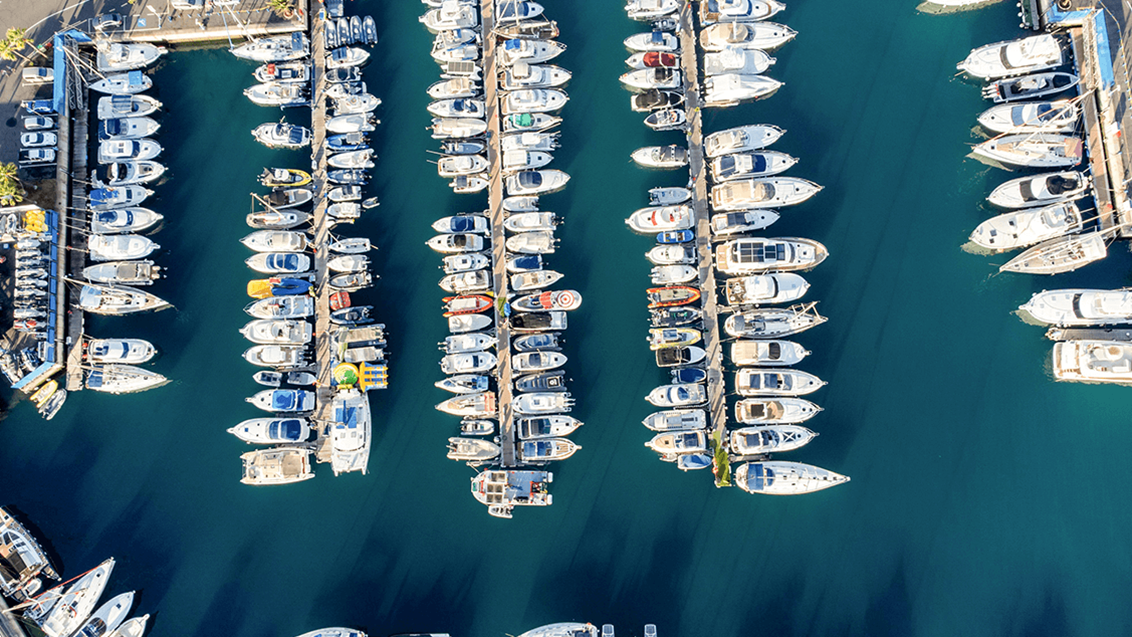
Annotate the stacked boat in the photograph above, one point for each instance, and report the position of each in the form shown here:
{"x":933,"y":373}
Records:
{"x":764,"y":286}
{"x":284,"y":307}
{"x":117,"y":245}
{"x":521,"y":309}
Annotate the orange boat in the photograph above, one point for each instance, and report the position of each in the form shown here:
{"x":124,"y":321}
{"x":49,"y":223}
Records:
{"x":466,"y":304}
{"x":339,"y":300}
{"x":672,"y":296}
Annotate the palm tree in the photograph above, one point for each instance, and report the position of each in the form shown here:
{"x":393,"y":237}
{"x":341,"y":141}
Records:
{"x":11,"y":191}
{"x":16,"y":40}
{"x":282,"y":8}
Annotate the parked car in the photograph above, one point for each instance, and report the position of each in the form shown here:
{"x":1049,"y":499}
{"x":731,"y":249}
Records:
{"x":39,"y":122}
{"x":37,"y":75}
{"x":34,"y":156}
{"x":36,"y":140}
{"x":107,"y":22}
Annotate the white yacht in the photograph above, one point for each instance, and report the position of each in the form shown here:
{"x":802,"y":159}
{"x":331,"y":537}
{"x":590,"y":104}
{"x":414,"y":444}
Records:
{"x":133,"y":627}
{"x":1076,"y":307}
{"x":766,"y":36}
{"x":741,"y":139}
{"x":746,"y":165}
{"x":472,"y":450}
{"x":647,"y":10}
{"x":454,"y":87}
{"x":282,"y":307}
{"x":533,"y":100}
{"x":276,"y":241}
{"x":772,"y":353}
{"x":519,"y":160}
{"x":1091,"y":361}
{"x":763,"y":289}
{"x":503,"y":490}
{"x":127,"y":127}
{"x":133,"y":351}
{"x":278,"y":331}
{"x":123,"y":220}
{"x":122,"y":379}
{"x":661,"y":218}
{"x":465,"y":282}
{"x":114,"y":150}
{"x":536,"y":182}
{"x":457,"y":127}
{"x":545,"y":450}
{"x":785,"y":478}
{"x":468,"y":363}
{"x":1017,"y":57}
{"x":778,"y":410}
{"x":272,"y":431}
{"x":458,"y":107}
{"x":525,"y":362}
{"x":672,"y":254}
{"x":451,"y":15}
{"x":129,"y":172}
{"x":1040,"y":190}
{"x":677,"y":420}
{"x":117,"y":300}
{"x":22,"y":559}
{"x":773,"y":322}
{"x":732,"y":88}
{"x":71,"y":608}
{"x":1063,"y":254}
{"x":529,"y":51}
{"x":1061,"y":116}
{"x":108,"y":617}
{"x":670,"y":156}
{"x":276,"y":94}
{"x":678,"y":442}
{"x":536,"y":404}
{"x":350,"y":432}
{"x":713,"y":11}
{"x":1032,"y":150}
{"x":467,"y":343}
{"x":280,"y":465}
{"x":734,"y":59}
{"x":119,"y":106}
{"x":673,"y":274}
{"x":277,"y":356}
{"x":127,"y":83}
{"x":113,"y":57}
{"x":730,"y":223}
{"x":767,"y":192}
{"x":1021,"y":228}
{"x":280,"y":48}
{"x":454,"y":165}
{"x":541,"y":141}
{"x":653,"y":41}
{"x":777,"y":438}
{"x":755,"y":381}
{"x":654,"y":78}
{"x":543,"y":427}
{"x":532,"y":76}
{"x":678,"y":395}
{"x":346,"y":632}
{"x":457,"y":243}
{"x":751,"y":255}
{"x":476,"y":405}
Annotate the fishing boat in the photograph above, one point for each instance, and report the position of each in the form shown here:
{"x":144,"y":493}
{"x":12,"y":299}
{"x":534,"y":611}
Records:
{"x":1028,"y":226}
{"x":732,"y":88}
{"x":647,"y":10}
{"x":123,"y":83}
{"x":677,"y":420}
{"x":751,"y":381}
{"x":118,"y":300}
{"x":1076,"y":307}
{"x":285,"y":72}
{"x":472,"y":450}
{"x":652,"y":99}
{"x":772,"y":353}
{"x":1015,"y":57}
{"x":774,"y":411}
{"x":280,"y":48}
{"x":282,"y":307}
{"x":528,"y":362}
{"x":131,"y":351}
{"x":283,"y":400}
{"x":115,"y":150}
{"x":785,"y":478}
{"x":678,"y":395}
{"x":122,"y":379}
{"x":533,"y":76}
{"x":70,"y":608}
{"x":765,"y":36}
{"x":541,"y":428}
{"x":277,"y":219}
{"x":474,"y":405}
{"x":1040,"y":190}
{"x":276,"y":94}
{"x":1029,"y":86}
{"x":1063,"y":254}
{"x":546,"y":450}
{"x":653,"y":41}
{"x":284,"y":198}
{"x":773,"y":322}
{"x":276,"y":356}
{"x":272,"y":431}
{"x":1032,"y":150}
{"x":280,"y":465}
{"x":756,"y":255}
{"x":653,"y":78}
{"x":119,"y":106}
{"x":542,"y":403}
{"x":767,"y":192}
{"x":135,"y":127}
{"x":123,"y":220}
{"x":678,"y":442}
{"x":673,"y":295}
{"x":503,"y":490}
{"x":282,"y":135}
{"x":276,"y":241}
{"x":123,"y":272}
{"x":1061,"y":116}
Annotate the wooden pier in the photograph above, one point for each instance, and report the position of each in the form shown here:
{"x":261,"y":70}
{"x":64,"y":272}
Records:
{"x":716,"y":383}
{"x":508,"y":456}
{"x":74,"y":141}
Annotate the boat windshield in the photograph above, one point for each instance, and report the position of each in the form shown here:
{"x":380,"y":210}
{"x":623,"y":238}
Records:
{"x":530,"y":179}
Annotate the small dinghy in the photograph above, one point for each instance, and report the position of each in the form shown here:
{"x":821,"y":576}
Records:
{"x":1029,"y":86}
{"x":268,"y":379}
{"x":357,"y":315}
{"x":772,"y":353}
{"x":774,"y":411}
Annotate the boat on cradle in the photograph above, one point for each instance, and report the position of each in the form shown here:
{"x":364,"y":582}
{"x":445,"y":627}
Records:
{"x":123,"y":83}
{"x":114,"y":150}
{"x":678,"y":442}
{"x":1029,"y":86}
{"x":350,"y":432}
{"x":1078,"y":307}
{"x":463,"y":384}
{"x":670,"y":156}
{"x":653,"y":59}
{"x":673,"y":274}
{"x":127,"y":127}
{"x":546,"y":450}
{"x":123,"y":272}
{"x":276,"y":94}
{"x":460,"y":107}
{"x":773,"y":322}
{"x":785,"y":478}
{"x":762,"y":289}
{"x":767,"y":192}
{"x":1040,"y":190}
{"x":117,"y":197}
{"x":773,"y":353}
{"x":653,"y":41}
{"x":777,"y":410}
{"x":649,"y":10}
{"x":276,"y":241}
{"x":472,"y":450}
{"x":278,"y":331}
{"x":1061,"y":116}
{"x":751,"y":381}
{"x":285,"y":72}
{"x":543,"y":427}
{"x":283,"y":400}
{"x":652,"y":100}
{"x":1032,"y":150}
{"x":69,"y":609}
{"x":281,"y":465}
{"x":123,"y":220}
{"x":678,"y":395}
{"x":278,"y":262}
{"x":125,"y":173}
{"x":131,"y":351}
{"x":282,"y":307}
{"x":24,"y":559}
{"x":731,"y":223}
{"x":282,"y":135}
{"x":732,"y":88}
{"x":502,"y":490}
{"x":1028,"y":226}
{"x":466,"y":343}
{"x":677,"y":420}
{"x":672,"y":254}
{"x":536,"y":182}
{"x":475,"y":405}
{"x":1059,"y":255}
{"x":756,"y":255}
{"x":276,"y":356}
{"x":765,"y":36}
{"x":117,"y":300}
{"x":653,"y":78}
{"x":280,"y":48}
{"x":741,"y":139}
{"x":122,"y":379}
{"x":542,"y":403}
{"x":750,"y":164}
{"x":121,"y":106}
{"x":272,"y":431}
{"x":455,"y":87}
{"x":351,"y":123}
{"x":451,"y":15}
{"x":533,"y":76}
{"x":672,"y":295}
{"x":1015,"y":57}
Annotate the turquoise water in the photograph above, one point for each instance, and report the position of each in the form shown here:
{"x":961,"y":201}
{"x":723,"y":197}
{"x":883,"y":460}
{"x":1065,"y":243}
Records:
{"x":986,"y":499}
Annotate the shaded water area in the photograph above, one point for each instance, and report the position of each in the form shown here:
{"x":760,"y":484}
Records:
{"x":985,"y":500}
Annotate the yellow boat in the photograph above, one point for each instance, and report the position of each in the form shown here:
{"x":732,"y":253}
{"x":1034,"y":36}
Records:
{"x":259,"y":288}
{"x":43,"y":394}
{"x":660,"y":338}
{"x":371,"y":376}
{"x":289,"y":177}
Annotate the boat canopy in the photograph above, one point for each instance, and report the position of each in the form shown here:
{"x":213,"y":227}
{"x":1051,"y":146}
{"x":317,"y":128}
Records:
{"x":288,"y":429}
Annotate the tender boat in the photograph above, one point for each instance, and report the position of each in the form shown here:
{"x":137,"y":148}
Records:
{"x":463,"y":282}
{"x":757,"y":255}
{"x":278,"y":331}
{"x":122,"y":379}
{"x":762,"y":289}
{"x":123,"y":83}
{"x":1028,"y":226}
{"x":1016,"y":57}
{"x":1061,"y":116}
{"x":119,"y":106}
{"x":678,"y":395}
{"x":662,"y":218}
{"x":283,"y":400}
{"x":272,"y":431}
{"x":130,"y":351}
{"x":774,"y":411}
{"x":751,"y":381}
{"x":473,"y":405}
{"x":351,"y":281}
{"x":1029,"y":86}
{"x":766,"y":36}
{"x":356,"y":315}
{"x":1076,"y":307}
{"x":118,"y":300}
{"x":1032,"y":150}
{"x":1040,"y":190}
{"x":280,"y":48}
{"x":472,"y":450}
{"x":277,"y":356}
{"x":281,"y":465}
{"x":1063,"y":254}
{"x":653,"y":41}
{"x":773,"y":322}
{"x":677,"y":420}
{"x":671,"y":156}
{"x":773,"y":353}
{"x":541,"y":403}
{"x":123,"y":272}
{"x":785,"y":478}
{"x":123,"y":220}
{"x":668,"y":196}
{"x":536,"y":182}
{"x":652,"y":78}
{"x":276,"y":241}
{"x":281,"y":177}
{"x":672,"y":295}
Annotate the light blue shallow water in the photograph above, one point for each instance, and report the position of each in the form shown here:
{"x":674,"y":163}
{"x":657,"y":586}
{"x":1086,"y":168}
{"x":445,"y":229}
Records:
{"x":986,"y":499}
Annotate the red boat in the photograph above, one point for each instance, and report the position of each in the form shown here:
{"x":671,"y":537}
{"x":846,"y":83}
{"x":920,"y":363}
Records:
{"x":547,"y":301}
{"x":467,"y":304}
{"x":339,"y":300}
{"x":672,"y":296}
{"x":656,"y":59}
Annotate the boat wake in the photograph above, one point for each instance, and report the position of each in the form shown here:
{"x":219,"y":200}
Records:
{"x":1028,"y":318}
{"x":973,"y":248}
{"x":937,"y":7}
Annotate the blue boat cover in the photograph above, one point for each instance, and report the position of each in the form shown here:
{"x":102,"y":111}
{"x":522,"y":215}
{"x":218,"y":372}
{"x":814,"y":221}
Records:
{"x":512,"y":45}
{"x":290,"y":286}
{"x":463,"y":224}
{"x":285,"y":429}
{"x":284,"y":399}
{"x":101,"y":195}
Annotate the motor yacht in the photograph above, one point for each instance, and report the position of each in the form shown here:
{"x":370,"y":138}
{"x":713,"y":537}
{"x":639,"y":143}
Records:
{"x":1028,"y":226}
{"x":774,"y":411}
{"x":1016,"y":57}
{"x":280,"y":465}
{"x":785,"y":478}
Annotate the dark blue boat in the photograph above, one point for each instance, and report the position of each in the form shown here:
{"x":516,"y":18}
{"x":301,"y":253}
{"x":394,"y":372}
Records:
{"x":525,"y":263}
{"x":346,"y":141}
{"x":290,"y":287}
{"x":688,"y":375}
{"x":351,"y":176}
{"x":675,"y":236}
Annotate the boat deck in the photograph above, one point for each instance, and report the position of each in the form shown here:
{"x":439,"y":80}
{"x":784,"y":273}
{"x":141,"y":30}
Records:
{"x":507,"y":436}
{"x":716,"y":385}
{"x":324,"y":387}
